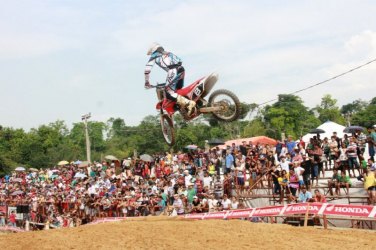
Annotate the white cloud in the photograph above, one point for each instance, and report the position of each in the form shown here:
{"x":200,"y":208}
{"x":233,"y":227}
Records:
{"x":363,"y":44}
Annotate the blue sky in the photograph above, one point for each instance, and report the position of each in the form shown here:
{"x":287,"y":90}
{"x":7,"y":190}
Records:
{"x":62,"y":59}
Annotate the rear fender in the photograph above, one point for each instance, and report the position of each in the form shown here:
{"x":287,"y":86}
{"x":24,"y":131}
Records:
{"x":209,"y":83}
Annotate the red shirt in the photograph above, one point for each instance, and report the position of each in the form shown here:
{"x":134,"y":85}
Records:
{"x":12,"y":217}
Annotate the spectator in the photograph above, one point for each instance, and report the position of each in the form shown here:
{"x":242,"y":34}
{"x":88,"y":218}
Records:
{"x":229,"y":161}
{"x":275,"y":175}
{"x":2,"y":219}
{"x":343,"y":166}
{"x":317,"y":164}
{"x":196,"y":205}
{"x":334,"y":149}
{"x":304,"y":195}
{"x":278,"y":149}
{"x":326,"y":150}
{"x":344,"y":182}
{"x":333,"y":182}
{"x":299,"y":171}
{"x":12,"y":219}
{"x":319,"y":197}
{"x":207,"y":180}
{"x":234,"y":203}
{"x":291,"y":144}
{"x":226,"y":202}
{"x":307,"y":166}
{"x":191,"y":193}
{"x":285,"y":165}
{"x":370,"y":186}
{"x":293,"y":184}
{"x":284,"y":151}
{"x":351,"y":152}
{"x":178,"y":205}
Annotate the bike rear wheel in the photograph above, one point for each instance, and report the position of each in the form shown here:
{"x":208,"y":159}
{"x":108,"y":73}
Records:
{"x":168,"y":129}
{"x":229,"y":104}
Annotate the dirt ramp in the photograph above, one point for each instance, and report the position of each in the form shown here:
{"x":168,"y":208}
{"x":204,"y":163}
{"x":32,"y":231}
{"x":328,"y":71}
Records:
{"x":174,"y":233}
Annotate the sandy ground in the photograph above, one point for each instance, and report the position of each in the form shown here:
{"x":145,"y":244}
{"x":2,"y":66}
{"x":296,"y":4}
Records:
{"x":173,"y":233}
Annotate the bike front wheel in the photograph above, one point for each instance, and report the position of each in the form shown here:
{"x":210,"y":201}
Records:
{"x":168,"y":129}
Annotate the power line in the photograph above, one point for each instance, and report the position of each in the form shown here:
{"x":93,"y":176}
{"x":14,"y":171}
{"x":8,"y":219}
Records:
{"x":322,"y":82}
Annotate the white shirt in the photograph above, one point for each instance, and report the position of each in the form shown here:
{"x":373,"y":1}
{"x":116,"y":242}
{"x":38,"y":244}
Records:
{"x":212,"y":203}
{"x":234,"y":205}
{"x":298,"y":172}
{"x":207,"y":181}
{"x":187,"y":180}
{"x":285,"y":165}
{"x":284,"y":151}
{"x":226,"y":204}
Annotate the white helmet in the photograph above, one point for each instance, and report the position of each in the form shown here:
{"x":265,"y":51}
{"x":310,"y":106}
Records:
{"x":154,"y":47}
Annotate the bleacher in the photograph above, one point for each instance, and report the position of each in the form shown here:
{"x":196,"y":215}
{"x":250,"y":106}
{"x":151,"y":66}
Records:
{"x":356,"y":195}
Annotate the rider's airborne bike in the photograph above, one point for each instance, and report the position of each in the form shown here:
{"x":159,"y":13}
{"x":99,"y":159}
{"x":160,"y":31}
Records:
{"x":222,"y":104}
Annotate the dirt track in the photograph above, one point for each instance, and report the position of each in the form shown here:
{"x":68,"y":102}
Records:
{"x":170,"y":233}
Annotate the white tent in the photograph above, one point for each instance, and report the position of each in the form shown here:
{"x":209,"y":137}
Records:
{"x":329,"y":127}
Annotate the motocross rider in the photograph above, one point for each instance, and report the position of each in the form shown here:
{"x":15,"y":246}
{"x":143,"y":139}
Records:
{"x":175,"y":74}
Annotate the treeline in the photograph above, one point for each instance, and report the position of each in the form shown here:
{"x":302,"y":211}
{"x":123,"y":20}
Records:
{"x":46,"y":145}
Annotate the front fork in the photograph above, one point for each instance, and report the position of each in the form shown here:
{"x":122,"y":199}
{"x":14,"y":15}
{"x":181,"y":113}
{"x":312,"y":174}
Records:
{"x":160,"y":94}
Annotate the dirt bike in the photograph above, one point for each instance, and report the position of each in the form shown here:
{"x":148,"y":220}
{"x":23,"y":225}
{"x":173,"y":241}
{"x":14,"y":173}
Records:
{"x":222,"y":104}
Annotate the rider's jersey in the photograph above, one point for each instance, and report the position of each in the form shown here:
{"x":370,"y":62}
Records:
{"x":166,"y":60}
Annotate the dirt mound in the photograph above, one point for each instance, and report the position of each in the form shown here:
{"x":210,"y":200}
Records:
{"x":173,"y":233}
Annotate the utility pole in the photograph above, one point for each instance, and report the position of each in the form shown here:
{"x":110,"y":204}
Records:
{"x":85,"y":118}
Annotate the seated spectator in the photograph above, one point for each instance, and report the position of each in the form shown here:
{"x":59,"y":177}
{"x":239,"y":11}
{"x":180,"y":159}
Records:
{"x":234,"y":203}
{"x":293,"y":184}
{"x":241,"y":204}
{"x":226,"y":202}
{"x":304,"y":196}
{"x":204,"y":205}
{"x":332,"y":183}
{"x":178,"y":205}
{"x":196,"y":205}
{"x":343,"y":182}
{"x":319,"y":197}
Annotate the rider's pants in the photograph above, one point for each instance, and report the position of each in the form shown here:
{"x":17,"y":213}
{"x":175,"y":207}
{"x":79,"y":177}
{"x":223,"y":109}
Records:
{"x":174,"y":82}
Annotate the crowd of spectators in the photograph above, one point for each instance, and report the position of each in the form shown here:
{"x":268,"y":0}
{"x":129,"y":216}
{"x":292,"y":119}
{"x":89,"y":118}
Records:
{"x":194,"y":182}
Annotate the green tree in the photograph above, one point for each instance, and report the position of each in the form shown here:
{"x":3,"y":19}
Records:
{"x":367,"y":116}
{"x":288,"y":115}
{"x":354,"y":107}
{"x":255,"y":128}
{"x":329,"y":111}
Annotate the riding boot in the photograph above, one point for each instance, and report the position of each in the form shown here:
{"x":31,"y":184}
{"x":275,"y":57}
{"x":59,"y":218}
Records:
{"x":182,"y":101}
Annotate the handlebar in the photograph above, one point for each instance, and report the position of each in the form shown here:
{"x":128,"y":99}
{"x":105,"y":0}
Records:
{"x":159,"y":85}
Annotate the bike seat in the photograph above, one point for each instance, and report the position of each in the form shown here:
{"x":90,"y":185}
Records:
{"x":185,"y":91}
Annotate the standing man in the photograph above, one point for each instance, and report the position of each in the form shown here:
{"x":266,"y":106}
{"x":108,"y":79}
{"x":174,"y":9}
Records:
{"x":278,"y":149}
{"x":285,"y":165}
{"x":12,"y":219}
{"x":229,"y":161}
{"x":291,"y":144}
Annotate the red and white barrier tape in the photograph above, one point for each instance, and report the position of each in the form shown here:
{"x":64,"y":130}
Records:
{"x":286,"y":210}
{"x":12,"y":229}
{"x":291,"y":209}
